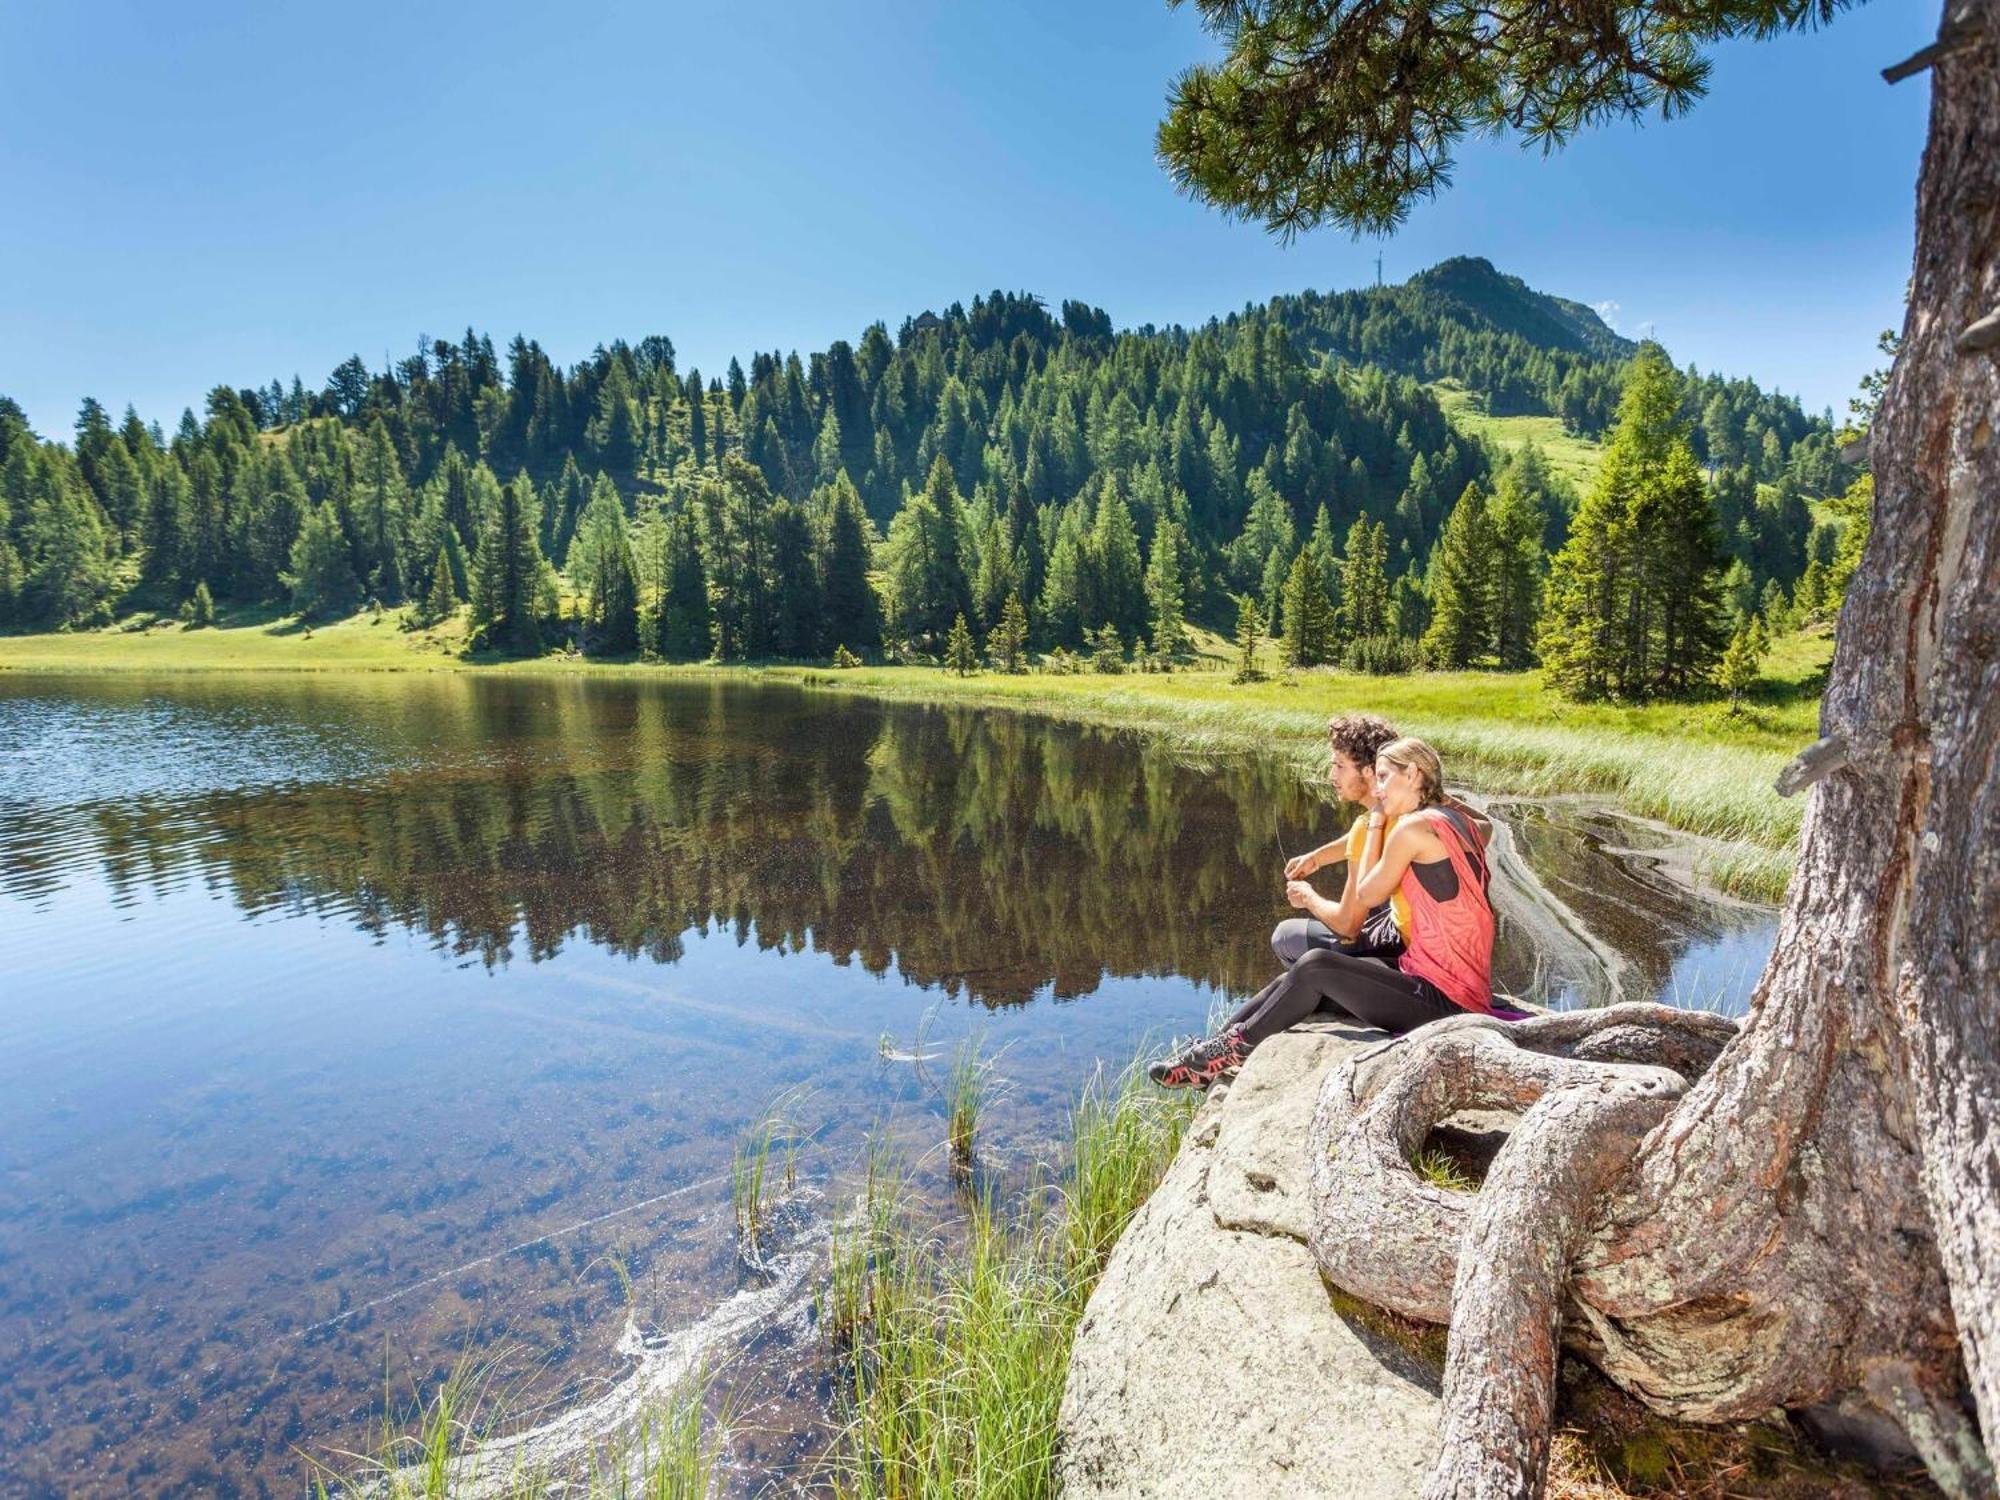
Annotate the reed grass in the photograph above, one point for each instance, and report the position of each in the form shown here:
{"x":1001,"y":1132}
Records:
{"x":956,"y":1372}
{"x":765,"y":1163}
{"x":965,"y":1094}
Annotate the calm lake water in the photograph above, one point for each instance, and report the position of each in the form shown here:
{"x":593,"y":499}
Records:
{"x":350,"y":1026}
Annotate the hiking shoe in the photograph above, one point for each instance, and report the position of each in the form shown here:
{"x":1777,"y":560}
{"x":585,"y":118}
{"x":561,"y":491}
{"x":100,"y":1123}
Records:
{"x":1201,"y":1063}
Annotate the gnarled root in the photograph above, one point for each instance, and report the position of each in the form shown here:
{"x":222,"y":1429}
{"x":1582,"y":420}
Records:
{"x":1544,"y":1253}
{"x":1375,"y":1112}
{"x":1513,"y":1269}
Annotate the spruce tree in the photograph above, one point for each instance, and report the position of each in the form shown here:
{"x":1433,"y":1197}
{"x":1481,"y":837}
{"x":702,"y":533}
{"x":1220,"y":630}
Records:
{"x":507,"y":575}
{"x":1461,"y":583}
{"x":1518,"y":524}
{"x":1364,"y":581}
{"x":799,"y":614}
{"x":614,"y":600}
{"x":685,"y":630}
{"x":853,"y":612}
{"x":1114,"y":551}
{"x":1308,"y":633}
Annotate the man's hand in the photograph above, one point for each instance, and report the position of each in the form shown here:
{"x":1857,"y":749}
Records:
{"x":1299,"y":866}
{"x":1300,"y":895}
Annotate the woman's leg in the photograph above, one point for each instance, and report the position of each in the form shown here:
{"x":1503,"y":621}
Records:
{"x":1369,"y":991}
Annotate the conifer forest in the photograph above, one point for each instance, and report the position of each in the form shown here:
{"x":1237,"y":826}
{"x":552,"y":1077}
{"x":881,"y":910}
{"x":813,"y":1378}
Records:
{"x":1061,"y":486}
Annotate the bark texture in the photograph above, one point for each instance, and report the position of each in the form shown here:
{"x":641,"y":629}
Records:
{"x":1815,"y":1214}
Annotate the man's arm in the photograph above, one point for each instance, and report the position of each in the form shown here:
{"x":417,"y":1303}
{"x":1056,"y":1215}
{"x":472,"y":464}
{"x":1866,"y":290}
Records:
{"x":1299,"y":866}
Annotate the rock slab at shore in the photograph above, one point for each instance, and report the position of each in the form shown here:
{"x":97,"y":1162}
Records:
{"x":1211,"y":1361}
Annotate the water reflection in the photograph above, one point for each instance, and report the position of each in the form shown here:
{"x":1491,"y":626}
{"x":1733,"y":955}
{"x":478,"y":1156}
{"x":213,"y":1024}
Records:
{"x":350,"y":1023}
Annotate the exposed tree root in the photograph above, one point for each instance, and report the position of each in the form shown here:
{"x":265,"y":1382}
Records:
{"x":1501,"y":1266}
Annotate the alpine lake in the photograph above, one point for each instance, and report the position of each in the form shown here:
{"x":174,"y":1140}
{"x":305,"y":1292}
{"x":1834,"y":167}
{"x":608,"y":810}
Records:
{"x":353,"y":1027}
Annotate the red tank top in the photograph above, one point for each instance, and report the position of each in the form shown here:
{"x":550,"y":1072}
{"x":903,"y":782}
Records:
{"x":1451,"y":942}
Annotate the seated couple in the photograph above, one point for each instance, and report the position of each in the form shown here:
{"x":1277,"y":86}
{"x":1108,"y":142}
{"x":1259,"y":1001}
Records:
{"x":1411,"y":938}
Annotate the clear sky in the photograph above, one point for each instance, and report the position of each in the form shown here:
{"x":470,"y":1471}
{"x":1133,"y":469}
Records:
{"x":231,"y":192}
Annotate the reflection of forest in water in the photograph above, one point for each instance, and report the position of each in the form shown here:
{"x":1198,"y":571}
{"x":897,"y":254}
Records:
{"x":987,"y":850}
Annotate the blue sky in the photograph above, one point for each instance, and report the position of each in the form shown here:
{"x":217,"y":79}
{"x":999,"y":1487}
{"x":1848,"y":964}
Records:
{"x":235,"y":192}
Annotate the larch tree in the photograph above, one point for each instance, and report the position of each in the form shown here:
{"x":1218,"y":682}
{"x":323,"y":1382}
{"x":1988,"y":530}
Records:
{"x":1165,"y":592}
{"x":1803,"y":1211}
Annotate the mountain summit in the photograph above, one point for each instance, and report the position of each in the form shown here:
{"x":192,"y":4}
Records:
{"x":1485,"y":296}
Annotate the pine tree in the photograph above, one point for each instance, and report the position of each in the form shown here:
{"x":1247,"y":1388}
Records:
{"x":960,"y":654}
{"x":1461,"y":583}
{"x":201,"y":607}
{"x":321,"y":576}
{"x":507,"y":575}
{"x":1006,"y":646}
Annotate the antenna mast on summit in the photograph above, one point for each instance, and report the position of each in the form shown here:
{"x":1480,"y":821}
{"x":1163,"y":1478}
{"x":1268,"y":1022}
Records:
{"x":1378,"y":270}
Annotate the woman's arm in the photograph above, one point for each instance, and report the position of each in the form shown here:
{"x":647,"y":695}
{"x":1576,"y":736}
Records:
{"x":1380,"y":876}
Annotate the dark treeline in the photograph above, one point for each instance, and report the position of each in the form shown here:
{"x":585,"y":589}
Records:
{"x":998,"y":462}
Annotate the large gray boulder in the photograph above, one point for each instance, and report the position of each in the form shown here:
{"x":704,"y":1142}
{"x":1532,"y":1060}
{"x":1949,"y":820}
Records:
{"x":1211,"y":1360}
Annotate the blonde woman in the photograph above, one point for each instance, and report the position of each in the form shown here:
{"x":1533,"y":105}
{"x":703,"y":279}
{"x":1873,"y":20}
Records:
{"x":1436,"y":860}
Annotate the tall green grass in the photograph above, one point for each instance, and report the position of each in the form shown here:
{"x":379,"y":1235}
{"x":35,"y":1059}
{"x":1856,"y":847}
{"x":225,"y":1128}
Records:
{"x":957,"y":1369}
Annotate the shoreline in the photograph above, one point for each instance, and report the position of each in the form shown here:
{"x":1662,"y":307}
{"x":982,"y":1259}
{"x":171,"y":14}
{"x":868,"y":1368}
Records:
{"x":1694,"y":768}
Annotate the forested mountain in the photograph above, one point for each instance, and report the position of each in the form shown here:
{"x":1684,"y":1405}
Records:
{"x":873,"y":491}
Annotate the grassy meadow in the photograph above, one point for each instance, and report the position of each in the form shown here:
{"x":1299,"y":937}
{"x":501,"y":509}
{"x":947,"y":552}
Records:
{"x":1572,"y":459}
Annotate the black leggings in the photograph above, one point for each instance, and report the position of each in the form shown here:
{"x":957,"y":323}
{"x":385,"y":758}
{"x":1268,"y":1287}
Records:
{"x":1367,"y":989}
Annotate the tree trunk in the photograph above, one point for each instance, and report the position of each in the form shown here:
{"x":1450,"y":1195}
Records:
{"x":1818,"y":1216}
